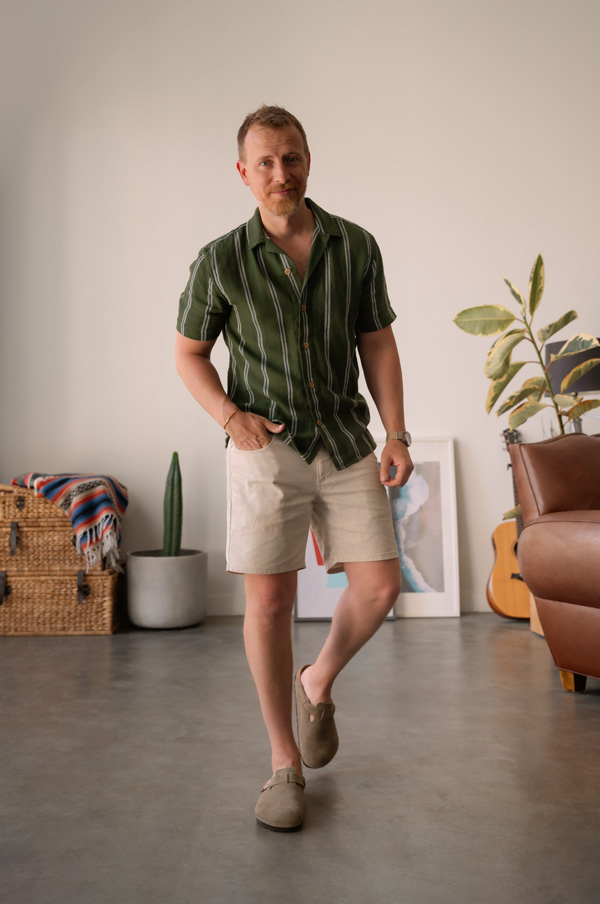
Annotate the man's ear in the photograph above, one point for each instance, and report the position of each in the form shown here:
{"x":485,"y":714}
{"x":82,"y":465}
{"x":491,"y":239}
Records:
{"x":241,"y":168}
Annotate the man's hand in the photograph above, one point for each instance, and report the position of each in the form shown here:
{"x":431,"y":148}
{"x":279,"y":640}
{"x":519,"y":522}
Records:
{"x":395,"y":453}
{"x":251,"y":431}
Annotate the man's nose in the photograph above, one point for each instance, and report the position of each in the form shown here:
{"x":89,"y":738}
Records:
{"x":281,"y":171}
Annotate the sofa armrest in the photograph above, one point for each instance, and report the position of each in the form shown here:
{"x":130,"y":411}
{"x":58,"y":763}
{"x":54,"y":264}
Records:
{"x":559,"y":556}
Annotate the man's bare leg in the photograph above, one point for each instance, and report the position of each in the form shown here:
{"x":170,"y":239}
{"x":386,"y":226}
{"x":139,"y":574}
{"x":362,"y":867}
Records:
{"x":372,"y":591}
{"x":268,"y":640}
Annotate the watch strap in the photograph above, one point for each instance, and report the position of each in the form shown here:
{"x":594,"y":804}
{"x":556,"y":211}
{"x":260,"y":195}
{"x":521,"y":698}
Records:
{"x":402,"y":435}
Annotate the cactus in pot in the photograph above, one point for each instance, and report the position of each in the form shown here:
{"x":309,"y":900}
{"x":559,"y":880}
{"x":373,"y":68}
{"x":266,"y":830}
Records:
{"x":173,"y":510}
{"x":167,"y":587}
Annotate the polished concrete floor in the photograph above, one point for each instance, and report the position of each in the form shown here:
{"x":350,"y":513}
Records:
{"x":130,"y":767}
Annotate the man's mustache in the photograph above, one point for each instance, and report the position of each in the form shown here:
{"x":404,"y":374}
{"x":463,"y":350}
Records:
{"x":285,"y":187}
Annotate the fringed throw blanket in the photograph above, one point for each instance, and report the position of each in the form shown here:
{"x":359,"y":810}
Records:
{"x":94,"y":503}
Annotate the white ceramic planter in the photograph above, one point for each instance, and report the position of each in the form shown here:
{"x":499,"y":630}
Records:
{"x":166,"y":591}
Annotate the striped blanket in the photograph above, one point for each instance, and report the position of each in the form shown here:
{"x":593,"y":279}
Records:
{"x":94,"y":503}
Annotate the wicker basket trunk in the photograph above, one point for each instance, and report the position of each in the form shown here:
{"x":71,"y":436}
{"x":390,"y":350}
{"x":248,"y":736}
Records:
{"x":19,"y":504}
{"x":45,"y":585}
{"x":76,"y":603}
{"x":40,"y":546}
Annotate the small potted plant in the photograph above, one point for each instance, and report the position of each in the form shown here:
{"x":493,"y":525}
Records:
{"x":166,"y":588}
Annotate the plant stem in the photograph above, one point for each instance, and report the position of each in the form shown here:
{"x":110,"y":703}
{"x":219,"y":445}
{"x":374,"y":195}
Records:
{"x":545,"y":373}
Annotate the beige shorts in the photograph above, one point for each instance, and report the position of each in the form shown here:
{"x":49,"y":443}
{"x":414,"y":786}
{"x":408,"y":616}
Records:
{"x":274,"y":497}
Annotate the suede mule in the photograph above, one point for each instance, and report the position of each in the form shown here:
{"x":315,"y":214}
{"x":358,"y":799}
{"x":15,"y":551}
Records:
{"x":280,"y":806}
{"x":317,"y":737}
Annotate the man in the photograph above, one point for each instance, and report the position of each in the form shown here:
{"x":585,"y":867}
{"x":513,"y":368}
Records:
{"x":297,"y":293}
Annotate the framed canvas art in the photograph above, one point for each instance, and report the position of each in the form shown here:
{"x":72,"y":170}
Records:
{"x":424,"y":516}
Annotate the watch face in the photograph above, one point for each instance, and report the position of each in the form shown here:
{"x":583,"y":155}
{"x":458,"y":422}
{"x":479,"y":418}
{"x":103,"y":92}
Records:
{"x":407,"y":438}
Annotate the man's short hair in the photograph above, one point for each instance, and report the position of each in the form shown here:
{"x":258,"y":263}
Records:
{"x":270,"y":117}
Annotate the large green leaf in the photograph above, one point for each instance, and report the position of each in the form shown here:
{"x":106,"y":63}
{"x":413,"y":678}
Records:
{"x":536,"y":284}
{"x":515,"y":293}
{"x":527,"y":391}
{"x":564,"y":401}
{"x":497,"y":387}
{"x":578,"y":372}
{"x":580,"y":342}
{"x":523,"y":413}
{"x":485,"y":320}
{"x":498,"y":359}
{"x":582,"y":408}
{"x":535,"y":383}
{"x":553,"y":328}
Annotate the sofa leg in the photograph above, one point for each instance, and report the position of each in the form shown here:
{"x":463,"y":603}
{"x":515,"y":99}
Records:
{"x":571,"y":681}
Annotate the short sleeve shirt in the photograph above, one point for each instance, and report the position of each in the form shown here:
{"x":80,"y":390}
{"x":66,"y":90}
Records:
{"x":292,"y":343}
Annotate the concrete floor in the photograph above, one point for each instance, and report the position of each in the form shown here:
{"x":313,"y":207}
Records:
{"x":131,"y":766}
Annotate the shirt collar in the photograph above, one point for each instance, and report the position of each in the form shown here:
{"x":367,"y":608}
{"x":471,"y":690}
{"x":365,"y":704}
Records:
{"x":325,"y":224}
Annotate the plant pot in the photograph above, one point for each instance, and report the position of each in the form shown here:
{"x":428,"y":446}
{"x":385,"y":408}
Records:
{"x":166,"y":591}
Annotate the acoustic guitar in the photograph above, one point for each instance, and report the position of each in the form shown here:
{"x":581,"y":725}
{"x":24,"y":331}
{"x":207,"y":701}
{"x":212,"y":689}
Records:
{"x":507,"y":593}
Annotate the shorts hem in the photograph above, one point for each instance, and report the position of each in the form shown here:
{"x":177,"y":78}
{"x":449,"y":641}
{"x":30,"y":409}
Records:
{"x":337,"y":565}
{"x":277,"y":570}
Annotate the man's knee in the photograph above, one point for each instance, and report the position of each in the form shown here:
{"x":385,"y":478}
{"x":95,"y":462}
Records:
{"x":386,"y":594}
{"x":271,"y":596}
{"x":391,"y":589}
{"x":379,"y":582}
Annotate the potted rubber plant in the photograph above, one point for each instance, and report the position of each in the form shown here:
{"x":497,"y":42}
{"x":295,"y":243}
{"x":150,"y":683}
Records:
{"x":166,"y":588}
{"x":500,"y":369}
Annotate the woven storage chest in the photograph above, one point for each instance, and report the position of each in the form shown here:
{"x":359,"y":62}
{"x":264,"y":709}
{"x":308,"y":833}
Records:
{"x":44,"y":585}
{"x":77,"y":603}
{"x":40,"y":546}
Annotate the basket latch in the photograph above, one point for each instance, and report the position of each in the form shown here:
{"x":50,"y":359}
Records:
{"x":4,"y":588}
{"x":14,"y":537}
{"x":83,"y":589}
{"x":20,"y":502}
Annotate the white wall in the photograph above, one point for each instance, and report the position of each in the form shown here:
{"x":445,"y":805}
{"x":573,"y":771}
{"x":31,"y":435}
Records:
{"x":464,"y":135}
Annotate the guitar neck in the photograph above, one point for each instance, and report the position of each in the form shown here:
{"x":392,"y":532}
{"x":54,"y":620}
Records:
{"x":518,"y":519}
{"x":511,"y":437}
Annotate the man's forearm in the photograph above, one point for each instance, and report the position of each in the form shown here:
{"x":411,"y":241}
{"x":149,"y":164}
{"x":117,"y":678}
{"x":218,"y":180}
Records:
{"x":249,"y":431}
{"x":203,"y":382}
{"x":383,"y":373}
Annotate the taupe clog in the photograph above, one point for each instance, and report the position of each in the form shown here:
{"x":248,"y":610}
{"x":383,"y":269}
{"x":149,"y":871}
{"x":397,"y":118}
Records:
{"x":280,"y":806}
{"x":317,"y":737}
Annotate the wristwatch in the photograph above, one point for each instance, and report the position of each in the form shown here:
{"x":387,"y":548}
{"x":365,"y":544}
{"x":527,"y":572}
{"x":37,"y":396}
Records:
{"x":403,"y":435}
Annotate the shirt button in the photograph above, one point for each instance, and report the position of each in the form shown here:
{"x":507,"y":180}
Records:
{"x":303,"y":307}
{"x":305,"y":344}
{"x":311,"y":385}
{"x":287,"y":271}
{"x":319,"y":423}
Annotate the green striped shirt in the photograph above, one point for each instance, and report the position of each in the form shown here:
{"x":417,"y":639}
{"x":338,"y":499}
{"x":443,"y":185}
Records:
{"x":292,"y":344}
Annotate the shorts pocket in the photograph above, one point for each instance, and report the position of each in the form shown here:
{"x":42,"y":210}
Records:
{"x":234,"y":448}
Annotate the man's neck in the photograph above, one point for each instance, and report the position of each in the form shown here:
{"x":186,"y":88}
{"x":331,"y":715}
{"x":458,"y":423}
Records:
{"x":300,"y":223}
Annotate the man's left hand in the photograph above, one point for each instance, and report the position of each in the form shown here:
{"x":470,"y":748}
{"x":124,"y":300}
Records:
{"x":395,"y":453}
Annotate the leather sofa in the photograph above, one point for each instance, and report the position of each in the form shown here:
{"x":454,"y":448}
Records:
{"x":558,"y":484}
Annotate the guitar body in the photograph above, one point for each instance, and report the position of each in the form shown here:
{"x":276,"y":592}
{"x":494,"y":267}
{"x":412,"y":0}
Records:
{"x":507,"y":593}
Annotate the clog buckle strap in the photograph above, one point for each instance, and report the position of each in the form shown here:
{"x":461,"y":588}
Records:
{"x":288,"y":778}
{"x":321,"y":711}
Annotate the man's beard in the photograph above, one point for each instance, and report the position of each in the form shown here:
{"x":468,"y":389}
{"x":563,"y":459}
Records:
{"x":283,"y":207}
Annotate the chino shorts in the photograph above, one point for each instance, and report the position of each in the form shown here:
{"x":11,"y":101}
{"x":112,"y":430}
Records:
{"x":274,"y":497}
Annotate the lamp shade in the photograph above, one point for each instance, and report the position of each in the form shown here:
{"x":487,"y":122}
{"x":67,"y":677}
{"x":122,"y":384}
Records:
{"x":558,"y":370}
